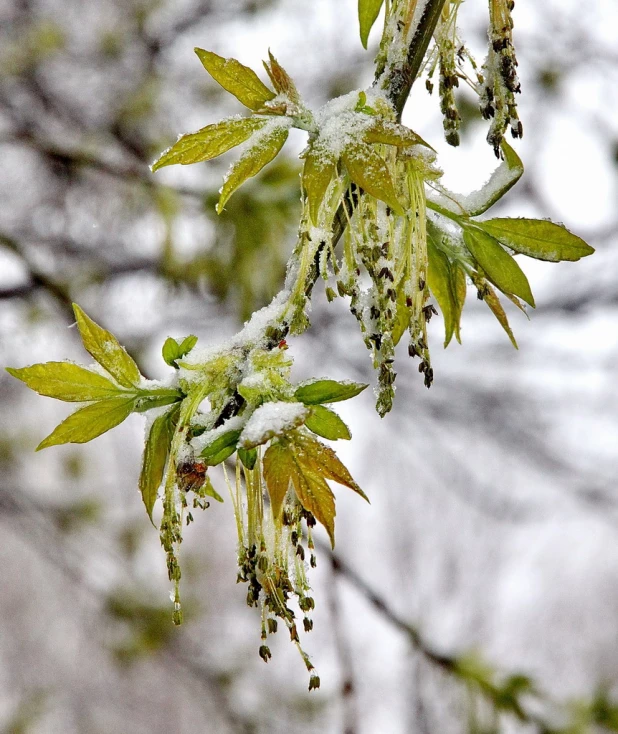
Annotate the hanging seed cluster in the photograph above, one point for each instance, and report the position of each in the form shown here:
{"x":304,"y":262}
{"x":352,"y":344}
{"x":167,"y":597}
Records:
{"x":497,"y":99}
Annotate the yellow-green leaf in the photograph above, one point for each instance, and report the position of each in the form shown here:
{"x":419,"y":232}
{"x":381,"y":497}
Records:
{"x":209,"y":142}
{"x":500,"y":268}
{"x":248,"y":457}
{"x":282,"y":81}
{"x":326,"y":423}
{"x":314,"y":494}
{"x":368,"y":11}
{"x":369,"y":171}
{"x":154,"y":461}
{"x":491,"y":299}
{"x":324,"y":460}
{"x":440,"y":282}
{"x":89,"y":422}
{"x":318,"y":170}
{"x":266,"y":147}
{"x":278,"y":467}
{"x":537,"y":238}
{"x":460,"y":290}
{"x":327,"y":391}
{"x":104,"y":347}
{"x":236,"y":78}
{"x":65,"y":381}
{"x":392,"y":133}
{"x":402,"y":316}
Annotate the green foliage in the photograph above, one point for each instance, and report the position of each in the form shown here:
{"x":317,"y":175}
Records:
{"x":66,"y":381}
{"x":498,"y":265}
{"x":368,"y":170}
{"x":173,"y":350}
{"x":156,"y":453}
{"x":326,"y":423}
{"x":237,"y":79}
{"x":221,"y":448}
{"x":537,"y":238}
{"x":316,"y":392}
{"x":368,"y":11}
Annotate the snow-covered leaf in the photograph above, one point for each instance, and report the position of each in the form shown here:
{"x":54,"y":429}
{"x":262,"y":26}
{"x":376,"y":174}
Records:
{"x":537,"y":238}
{"x":318,"y":170}
{"x":221,"y":448}
{"x":499,"y":267}
{"x":210,"y":142}
{"x":89,"y":422}
{"x":236,"y":78}
{"x":104,"y":347}
{"x":369,"y":171}
{"x":262,"y":152}
{"x":272,"y":419}
{"x":392,"y":133}
{"x":65,"y":381}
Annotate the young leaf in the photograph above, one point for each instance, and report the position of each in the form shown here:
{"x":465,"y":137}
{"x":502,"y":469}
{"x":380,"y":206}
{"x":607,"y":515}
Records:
{"x":210,"y":491}
{"x":492,"y":300}
{"x":234,"y":77}
{"x":209,"y":142}
{"x":497,"y":264}
{"x":221,"y":448}
{"x":153,"y":400}
{"x":104,"y":347}
{"x":282,"y":81}
{"x":327,"y":391}
{"x":155,"y":459}
{"x":318,"y":457}
{"x":392,"y":133}
{"x":537,"y":238}
{"x":89,"y":422}
{"x":278,"y":467}
{"x":369,"y":171}
{"x":368,"y":11}
{"x":460,"y":290}
{"x":65,"y":381}
{"x":440,"y":282}
{"x":260,"y":154}
{"x":326,"y":423}
{"x":402,"y":317}
{"x":172,"y":350}
{"x":318,"y":170}
{"x":248,"y":457}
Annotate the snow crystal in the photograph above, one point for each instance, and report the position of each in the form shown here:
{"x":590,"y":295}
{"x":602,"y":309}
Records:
{"x":272,"y":419}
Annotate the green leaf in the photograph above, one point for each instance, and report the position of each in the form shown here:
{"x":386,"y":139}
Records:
{"x":392,"y":133}
{"x":282,"y":81}
{"x":460,"y":290}
{"x":65,"y":381}
{"x":239,"y":80}
{"x":209,"y":142}
{"x":441,"y":285}
{"x":172,"y":350}
{"x":221,"y":448}
{"x":327,"y":391}
{"x":369,"y":171}
{"x":318,"y":170}
{"x":248,"y":457}
{"x":498,"y":265}
{"x":368,"y":11}
{"x":89,"y":422}
{"x":208,"y":490}
{"x":104,"y":347}
{"x":266,"y":147}
{"x":155,"y":459}
{"x":327,"y":423}
{"x":491,"y":299}
{"x":402,"y":316}
{"x":537,"y":238}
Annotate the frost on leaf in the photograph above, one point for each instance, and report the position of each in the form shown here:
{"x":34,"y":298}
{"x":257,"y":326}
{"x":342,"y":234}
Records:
{"x":209,"y":142}
{"x":264,"y":148}
{"x":271,"y":419}
{"x":368,"y":170}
